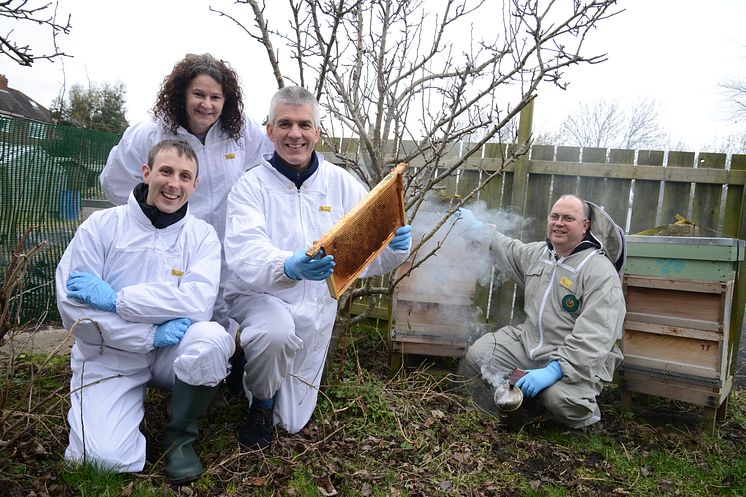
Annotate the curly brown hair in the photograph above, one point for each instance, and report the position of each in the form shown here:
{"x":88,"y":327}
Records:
{"x":170,"y":108}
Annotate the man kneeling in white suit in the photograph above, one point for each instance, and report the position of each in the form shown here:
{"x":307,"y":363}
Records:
{"x":137,"y":285}
{"x":275,"y":291}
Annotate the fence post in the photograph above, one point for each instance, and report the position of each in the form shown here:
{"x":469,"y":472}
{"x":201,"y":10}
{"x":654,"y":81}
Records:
{"x":739,"y":295}
{"x":520,"y":173}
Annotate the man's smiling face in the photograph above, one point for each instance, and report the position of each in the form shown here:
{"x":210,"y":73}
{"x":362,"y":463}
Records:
{"x":294,"y":133}
{"x":171,"y":180}
{"x":567,"y":224}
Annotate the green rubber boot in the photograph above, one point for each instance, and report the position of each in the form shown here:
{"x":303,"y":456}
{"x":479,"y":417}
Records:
{"x":188,"y":404}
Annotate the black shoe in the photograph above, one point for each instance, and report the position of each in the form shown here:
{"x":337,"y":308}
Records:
{"x":256,"y":433}
{"x":234,"y":380}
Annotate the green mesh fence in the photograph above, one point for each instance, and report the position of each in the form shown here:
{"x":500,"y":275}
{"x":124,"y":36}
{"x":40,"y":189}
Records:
{"x":45,"y":171}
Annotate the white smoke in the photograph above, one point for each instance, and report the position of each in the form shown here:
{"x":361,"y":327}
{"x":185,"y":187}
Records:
{"x":492,"y":377}
{"x":462,"y":260}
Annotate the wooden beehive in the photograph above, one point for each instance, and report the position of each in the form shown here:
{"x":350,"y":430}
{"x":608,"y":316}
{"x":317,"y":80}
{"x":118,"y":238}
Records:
{"x":677,"y":326}
{"x":434,"y":320}
{"x":361,"y":234}
{"x":677,"y":332}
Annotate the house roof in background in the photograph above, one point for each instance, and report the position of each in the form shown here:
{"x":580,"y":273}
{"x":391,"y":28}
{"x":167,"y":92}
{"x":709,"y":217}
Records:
{"x":17,"y":104}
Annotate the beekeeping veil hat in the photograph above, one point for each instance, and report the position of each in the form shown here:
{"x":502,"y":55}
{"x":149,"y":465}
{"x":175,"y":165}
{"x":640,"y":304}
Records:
{"x":608,"y":236}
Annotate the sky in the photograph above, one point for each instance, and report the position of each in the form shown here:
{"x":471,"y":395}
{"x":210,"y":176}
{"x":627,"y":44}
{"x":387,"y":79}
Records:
{"x":677,"y":52}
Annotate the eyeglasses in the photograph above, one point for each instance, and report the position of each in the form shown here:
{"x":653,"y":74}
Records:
{"x":564,"y":218}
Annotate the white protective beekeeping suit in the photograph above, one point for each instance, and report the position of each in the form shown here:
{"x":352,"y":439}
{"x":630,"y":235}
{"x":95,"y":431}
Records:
{"x":269,"y":218}
{"x":159,"y":275}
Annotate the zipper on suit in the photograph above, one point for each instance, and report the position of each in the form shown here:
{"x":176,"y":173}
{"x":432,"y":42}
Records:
{"x":298,"y":197}
{"x":540,"y":319}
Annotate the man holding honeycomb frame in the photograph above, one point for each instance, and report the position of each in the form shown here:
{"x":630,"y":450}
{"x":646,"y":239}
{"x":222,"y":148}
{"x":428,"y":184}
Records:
{"x":275,"y":290}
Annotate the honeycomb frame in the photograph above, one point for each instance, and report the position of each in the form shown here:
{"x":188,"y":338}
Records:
{"x":361,"y":234}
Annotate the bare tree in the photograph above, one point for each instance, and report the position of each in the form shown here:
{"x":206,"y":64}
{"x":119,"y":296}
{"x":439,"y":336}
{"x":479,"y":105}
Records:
{"x":546,"y":137}
{"x":39,"y":14}
{"x":606,"y":124}
{"x":409,"y":80}
{"x":733,"y":143}
{"x":735,"y":92}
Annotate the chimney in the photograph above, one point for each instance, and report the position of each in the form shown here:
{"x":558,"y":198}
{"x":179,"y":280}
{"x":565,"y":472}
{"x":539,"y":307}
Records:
{"x":3,"y":82}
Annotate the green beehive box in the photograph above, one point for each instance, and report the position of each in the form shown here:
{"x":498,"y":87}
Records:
{"x":680,"y":335}
{"x":684,"y":258}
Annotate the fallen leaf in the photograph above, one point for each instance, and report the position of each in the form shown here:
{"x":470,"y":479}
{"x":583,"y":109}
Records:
{"x":445,"y":485}
{"x":284,"y":471}
{"x":367,"y":490}
{"x":535,"y":484}
{"x":40,"y":491}
{"x":324,"y":484}
{"x":438,"y":414}
{"x":127,"y":491}
{"x":462,"y":457}
{"x":257,"y":481}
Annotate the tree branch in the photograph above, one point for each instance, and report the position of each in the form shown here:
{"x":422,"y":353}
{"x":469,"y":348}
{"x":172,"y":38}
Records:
{"x":18,"y":12}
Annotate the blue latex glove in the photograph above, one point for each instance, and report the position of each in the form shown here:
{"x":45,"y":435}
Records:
{"x":403,"y":238}
{"x":171,"y":332}
{"x":467,"y":217}
{"x":537,"y":380}
{"x":92,"y":290}
{"x":301,"y":267}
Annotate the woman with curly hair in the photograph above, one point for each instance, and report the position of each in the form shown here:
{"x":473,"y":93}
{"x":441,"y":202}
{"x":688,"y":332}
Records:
{"x":184,"y":99}
{"x":200,"y":103}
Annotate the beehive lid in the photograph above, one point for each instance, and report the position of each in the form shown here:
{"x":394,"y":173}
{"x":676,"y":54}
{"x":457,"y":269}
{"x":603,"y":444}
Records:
{"x":702,"y":258}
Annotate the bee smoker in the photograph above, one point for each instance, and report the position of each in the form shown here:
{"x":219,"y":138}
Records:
{"x":507,"y":396}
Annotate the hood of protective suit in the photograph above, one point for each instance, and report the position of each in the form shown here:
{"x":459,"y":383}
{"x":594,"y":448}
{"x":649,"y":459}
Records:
{"x":609,"y":237}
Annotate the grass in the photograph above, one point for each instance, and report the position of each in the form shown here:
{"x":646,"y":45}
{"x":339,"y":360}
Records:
{"x":376,"y":435}
{"x":88,"y":479}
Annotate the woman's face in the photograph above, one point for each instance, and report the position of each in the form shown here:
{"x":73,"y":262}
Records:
{"x":204,"y":103}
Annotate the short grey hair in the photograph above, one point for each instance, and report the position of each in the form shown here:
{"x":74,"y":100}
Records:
{"x":294,"y":95}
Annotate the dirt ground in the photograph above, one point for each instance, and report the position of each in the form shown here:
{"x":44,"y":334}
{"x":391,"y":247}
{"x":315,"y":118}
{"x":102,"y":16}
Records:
{"x":433,"y":449}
